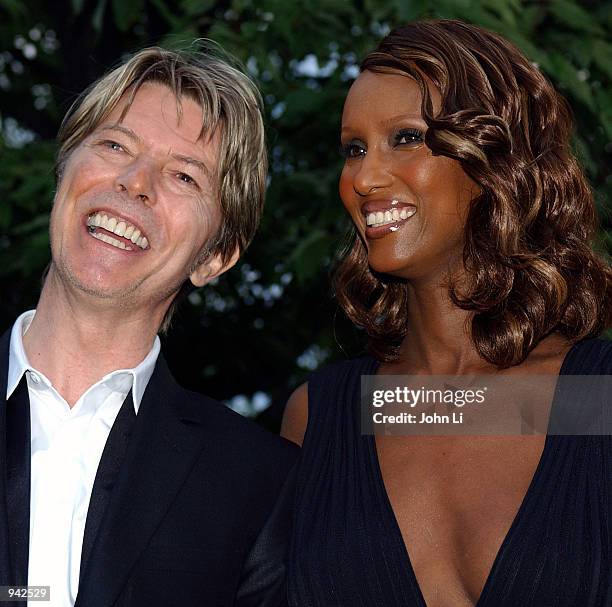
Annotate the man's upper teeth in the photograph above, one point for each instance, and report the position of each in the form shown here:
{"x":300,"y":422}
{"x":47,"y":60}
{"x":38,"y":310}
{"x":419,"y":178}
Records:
{"x":119,"y":227}
{"x":383,"y":217}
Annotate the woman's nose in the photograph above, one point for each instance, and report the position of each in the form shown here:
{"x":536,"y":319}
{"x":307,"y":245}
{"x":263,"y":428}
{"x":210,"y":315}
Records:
{"x":374,"y":173}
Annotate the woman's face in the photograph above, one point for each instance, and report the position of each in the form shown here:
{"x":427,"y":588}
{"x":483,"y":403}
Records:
{"x":408,"y":205}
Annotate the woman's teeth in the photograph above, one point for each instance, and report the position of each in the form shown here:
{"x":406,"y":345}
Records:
{"x":382,"y":218}
{"x":118,"y":227}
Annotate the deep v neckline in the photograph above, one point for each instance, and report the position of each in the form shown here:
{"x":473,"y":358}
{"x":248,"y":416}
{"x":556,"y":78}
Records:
{"x":390,"y":514}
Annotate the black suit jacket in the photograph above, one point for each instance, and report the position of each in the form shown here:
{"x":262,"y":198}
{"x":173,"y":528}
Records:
{"x":199,"y":512}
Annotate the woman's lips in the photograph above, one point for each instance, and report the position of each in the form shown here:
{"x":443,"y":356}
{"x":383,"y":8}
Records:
{"x":381,"y":222}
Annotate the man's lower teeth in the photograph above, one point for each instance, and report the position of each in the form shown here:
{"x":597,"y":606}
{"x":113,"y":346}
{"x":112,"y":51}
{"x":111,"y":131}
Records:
{"x":112,"y":241}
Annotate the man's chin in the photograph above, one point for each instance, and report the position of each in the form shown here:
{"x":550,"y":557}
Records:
{"x":96,"y":286}
{"x":104,"y":288}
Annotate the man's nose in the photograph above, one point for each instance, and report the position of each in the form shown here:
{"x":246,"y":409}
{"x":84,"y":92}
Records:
{"x":374,"y":172}
{"x":137,"y":180}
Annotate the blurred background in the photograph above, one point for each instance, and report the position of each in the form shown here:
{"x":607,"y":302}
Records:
{"x":253,"y":336}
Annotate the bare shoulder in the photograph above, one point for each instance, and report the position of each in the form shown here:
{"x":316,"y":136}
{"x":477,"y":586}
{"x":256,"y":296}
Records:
{"x":548,"y":355}
{"x":295,"y":417}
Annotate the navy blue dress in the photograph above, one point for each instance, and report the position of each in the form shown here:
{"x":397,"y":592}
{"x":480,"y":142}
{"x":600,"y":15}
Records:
{"x":347,"y":549}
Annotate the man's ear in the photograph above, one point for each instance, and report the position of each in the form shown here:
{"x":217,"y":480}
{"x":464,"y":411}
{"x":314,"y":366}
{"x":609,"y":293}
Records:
{"x":212,"y":267}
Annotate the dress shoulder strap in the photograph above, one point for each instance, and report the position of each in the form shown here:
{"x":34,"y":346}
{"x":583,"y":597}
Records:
{"x":589,"y":357}
{"x":339,"y":381}
{"x":334,"y":391}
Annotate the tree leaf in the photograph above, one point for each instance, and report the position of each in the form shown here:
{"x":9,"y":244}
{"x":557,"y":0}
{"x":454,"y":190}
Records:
{"x":77,"y":6}
{"x":98,"y":16}
{"x":126,"y":14}
{"x":194,"y":8}
{"x":409,"y":10}
{"x":566,"y":75}
{"x":167,"y":14}
{"x":602,"y":55}
{"x":16,"y":8}
{"x":574,"y":16}
{"x":307,"y":258}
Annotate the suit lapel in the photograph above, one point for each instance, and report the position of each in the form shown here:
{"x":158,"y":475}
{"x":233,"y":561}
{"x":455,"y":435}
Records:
{"x":5,"y":563}
{"x":18,"y":472}
{"x":106,"y":475}
{"x":162,"y":450}
{"x":15,"y":485}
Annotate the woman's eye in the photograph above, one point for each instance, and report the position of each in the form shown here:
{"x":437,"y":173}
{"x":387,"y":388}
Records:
{"x":352,"y":150}
{"x":408,"y":136}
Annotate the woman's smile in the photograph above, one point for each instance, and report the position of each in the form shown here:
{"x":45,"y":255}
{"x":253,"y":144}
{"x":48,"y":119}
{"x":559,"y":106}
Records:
{"x":384,"y":216}
{"x":409,"y":205}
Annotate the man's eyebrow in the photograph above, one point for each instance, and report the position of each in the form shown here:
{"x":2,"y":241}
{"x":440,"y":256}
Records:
{"x":122,"y":129}
{"x":198,"y":164}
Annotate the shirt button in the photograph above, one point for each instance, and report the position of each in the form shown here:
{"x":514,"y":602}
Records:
{"x":34,"y":377}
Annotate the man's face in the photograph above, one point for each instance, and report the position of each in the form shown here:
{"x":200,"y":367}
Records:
{"x":137,"y":203}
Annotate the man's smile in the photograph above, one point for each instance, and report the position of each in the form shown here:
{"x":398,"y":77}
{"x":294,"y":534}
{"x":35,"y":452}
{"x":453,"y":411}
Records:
{"x":127,"y":221}
{"x":116,"y":231}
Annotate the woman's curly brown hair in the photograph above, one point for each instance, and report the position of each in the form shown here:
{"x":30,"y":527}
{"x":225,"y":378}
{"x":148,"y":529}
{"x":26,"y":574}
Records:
{"x":528,"y":256}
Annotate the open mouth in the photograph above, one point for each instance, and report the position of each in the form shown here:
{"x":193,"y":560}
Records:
{"x":380,"y":219}
{"x":116,"y":232}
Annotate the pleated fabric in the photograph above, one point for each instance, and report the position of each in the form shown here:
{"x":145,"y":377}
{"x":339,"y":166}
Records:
{"x":347,"y":549}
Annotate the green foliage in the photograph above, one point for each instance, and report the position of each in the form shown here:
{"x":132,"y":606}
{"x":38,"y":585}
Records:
{"x":126,"y":14}
{"x":261,"y":326}
{"x":27,"y":180}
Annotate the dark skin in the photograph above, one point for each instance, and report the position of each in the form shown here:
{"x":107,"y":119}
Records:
{"x":454,"y":497}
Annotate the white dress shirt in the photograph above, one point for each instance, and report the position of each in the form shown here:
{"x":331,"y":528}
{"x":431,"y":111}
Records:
{"x":67,"y":445}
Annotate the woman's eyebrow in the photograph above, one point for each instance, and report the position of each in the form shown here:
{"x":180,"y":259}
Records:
{"x":392,"y":121}
{"x":399,"y":117}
